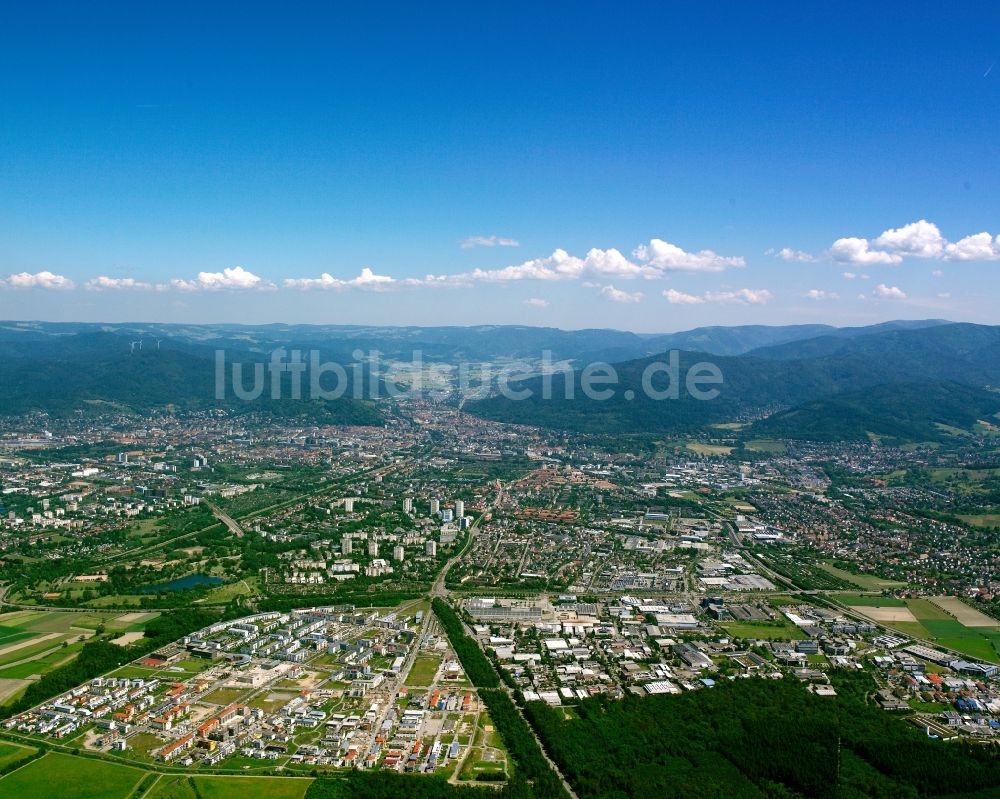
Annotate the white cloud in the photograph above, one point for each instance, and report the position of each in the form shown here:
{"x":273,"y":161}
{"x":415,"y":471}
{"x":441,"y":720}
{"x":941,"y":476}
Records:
{"x":857,"y":251}
{"x":617,"y":295}
{"x":230,"y":278}
{"x":820,"y":294}
{"x":652,"y":260}
{"x":849,"y":275}
{"x":366,"y":281}
{"x":115,"y":283}
{"x":563,"y":266}
{"x":921,"y":239}
{"x":937,"y":273}
{"x":788,"y":254}
{"x":536,"y":302}
{"x":670,"y":258}
{"x":558,"y":266}
{"x":675,"y":297}
{"x":889,"y":292}
{"x":741,"y":296}
{"x":38,"y":280}
{"x":978,"y":247}
{"x":487,"y":241}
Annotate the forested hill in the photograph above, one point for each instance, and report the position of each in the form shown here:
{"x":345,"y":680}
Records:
{"x":438,"y":344}
{"x":780,"y":379}
{"x":897,"y":411}
{"x":94,"y":372}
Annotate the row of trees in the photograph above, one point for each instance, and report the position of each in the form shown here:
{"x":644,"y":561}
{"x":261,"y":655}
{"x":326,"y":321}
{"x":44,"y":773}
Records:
{"x":479,"y":669}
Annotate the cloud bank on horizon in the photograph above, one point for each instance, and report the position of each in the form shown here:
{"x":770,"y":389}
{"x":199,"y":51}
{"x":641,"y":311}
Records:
{"x":597,"y":268}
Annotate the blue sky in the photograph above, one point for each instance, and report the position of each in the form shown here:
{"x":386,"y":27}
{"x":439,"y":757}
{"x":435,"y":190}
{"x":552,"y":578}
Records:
{"x":230,"y":163}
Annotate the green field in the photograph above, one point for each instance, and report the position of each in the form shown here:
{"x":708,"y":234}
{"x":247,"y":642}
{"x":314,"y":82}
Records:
{"x":59,"y":776}
{"x":423,"y":671}
{"x":938,"y":625}
{"x":8,"y":635}
{"x":869,"y":582}
{"x":766,"y":632}
{"x":868,"y":601}
{"x":708,"y":449}
{"x":12,"y":753}
{"x":766,"y":445}
{"x":172,"y":786}
{"x":224,"y":594}
{"x":224,"y":696}
{"x":982,"y":519}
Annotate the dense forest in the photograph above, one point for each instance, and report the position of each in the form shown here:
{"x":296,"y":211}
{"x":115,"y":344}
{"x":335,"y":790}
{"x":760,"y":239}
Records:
{"x":901,"y":411}
{"x":755,"y":738}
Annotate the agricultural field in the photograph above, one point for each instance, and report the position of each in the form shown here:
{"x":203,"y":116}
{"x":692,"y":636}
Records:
{"x":867,"y":582}
{"x":69,"y":777}
{"x":34,"y":642}
{"x":803,"y":571}
{"x":33,"y":636}
{"x":770,"y":446}
{"x":926,"y":618}
{"x":708,"y":449}
{"x":868,"y":601}
{"x":173,"y":786}
{"x":966,"y":614}
{"x":12,"y":753}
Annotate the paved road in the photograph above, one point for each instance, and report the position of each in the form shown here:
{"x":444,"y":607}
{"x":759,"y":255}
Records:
{"x":226,"y":519}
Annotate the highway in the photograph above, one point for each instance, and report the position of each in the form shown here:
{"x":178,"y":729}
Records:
{"x":226,"y":519}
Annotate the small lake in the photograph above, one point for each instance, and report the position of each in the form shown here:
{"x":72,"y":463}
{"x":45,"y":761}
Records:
{"x":182,"y":584}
